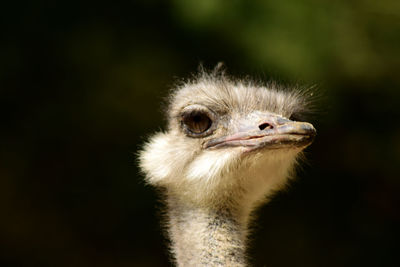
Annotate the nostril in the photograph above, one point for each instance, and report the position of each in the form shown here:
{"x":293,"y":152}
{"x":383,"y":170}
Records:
{"x":264,"y":126}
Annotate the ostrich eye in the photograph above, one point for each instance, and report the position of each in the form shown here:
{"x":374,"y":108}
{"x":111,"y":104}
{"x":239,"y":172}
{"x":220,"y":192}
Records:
{"x":196,"y":122}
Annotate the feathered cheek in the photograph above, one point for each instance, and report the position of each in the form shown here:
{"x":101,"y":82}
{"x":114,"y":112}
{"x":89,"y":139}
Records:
{"x":211,"y":164}
{"x":162,"y":162}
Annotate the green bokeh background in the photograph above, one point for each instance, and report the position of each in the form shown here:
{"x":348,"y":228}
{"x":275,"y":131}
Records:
{"x":81,"y":86}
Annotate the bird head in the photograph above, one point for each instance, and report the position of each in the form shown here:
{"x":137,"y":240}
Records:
{"x":227,"y":137}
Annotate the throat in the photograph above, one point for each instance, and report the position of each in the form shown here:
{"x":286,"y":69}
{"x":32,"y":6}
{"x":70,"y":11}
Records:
{"x":204,"y":236}
{"x":208,"y":218}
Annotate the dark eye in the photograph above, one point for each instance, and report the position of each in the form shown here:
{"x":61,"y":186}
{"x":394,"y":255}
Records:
{"x":196,"y":122}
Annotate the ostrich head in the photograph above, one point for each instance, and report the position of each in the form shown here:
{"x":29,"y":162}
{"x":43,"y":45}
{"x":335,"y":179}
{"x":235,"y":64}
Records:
{"x":228,"y":143}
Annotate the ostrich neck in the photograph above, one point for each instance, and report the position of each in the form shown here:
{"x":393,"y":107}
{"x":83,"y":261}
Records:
{"x":206,"y":236}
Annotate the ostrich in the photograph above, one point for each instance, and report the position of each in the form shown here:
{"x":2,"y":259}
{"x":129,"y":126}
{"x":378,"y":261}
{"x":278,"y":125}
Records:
{"x":230,"y":144}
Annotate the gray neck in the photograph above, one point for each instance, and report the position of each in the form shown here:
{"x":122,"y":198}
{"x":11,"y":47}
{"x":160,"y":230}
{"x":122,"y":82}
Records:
{"x":204,"y":236}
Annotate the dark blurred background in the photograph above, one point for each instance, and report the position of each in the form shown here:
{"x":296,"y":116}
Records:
{"x":81,"y":86}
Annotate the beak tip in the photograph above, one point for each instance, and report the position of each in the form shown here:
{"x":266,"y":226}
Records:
{"x":308,"y":128}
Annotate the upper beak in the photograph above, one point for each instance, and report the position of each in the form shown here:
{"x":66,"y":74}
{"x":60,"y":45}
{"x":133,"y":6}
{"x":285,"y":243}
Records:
{"x":266,"y":130}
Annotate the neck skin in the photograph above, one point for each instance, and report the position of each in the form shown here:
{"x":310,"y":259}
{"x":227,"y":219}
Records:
{"x":206,"y":236}
{"x":208,"y":219}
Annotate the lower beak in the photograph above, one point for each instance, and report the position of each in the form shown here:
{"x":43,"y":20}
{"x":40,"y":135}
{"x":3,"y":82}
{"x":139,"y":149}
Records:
{"x":277,"y":133}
